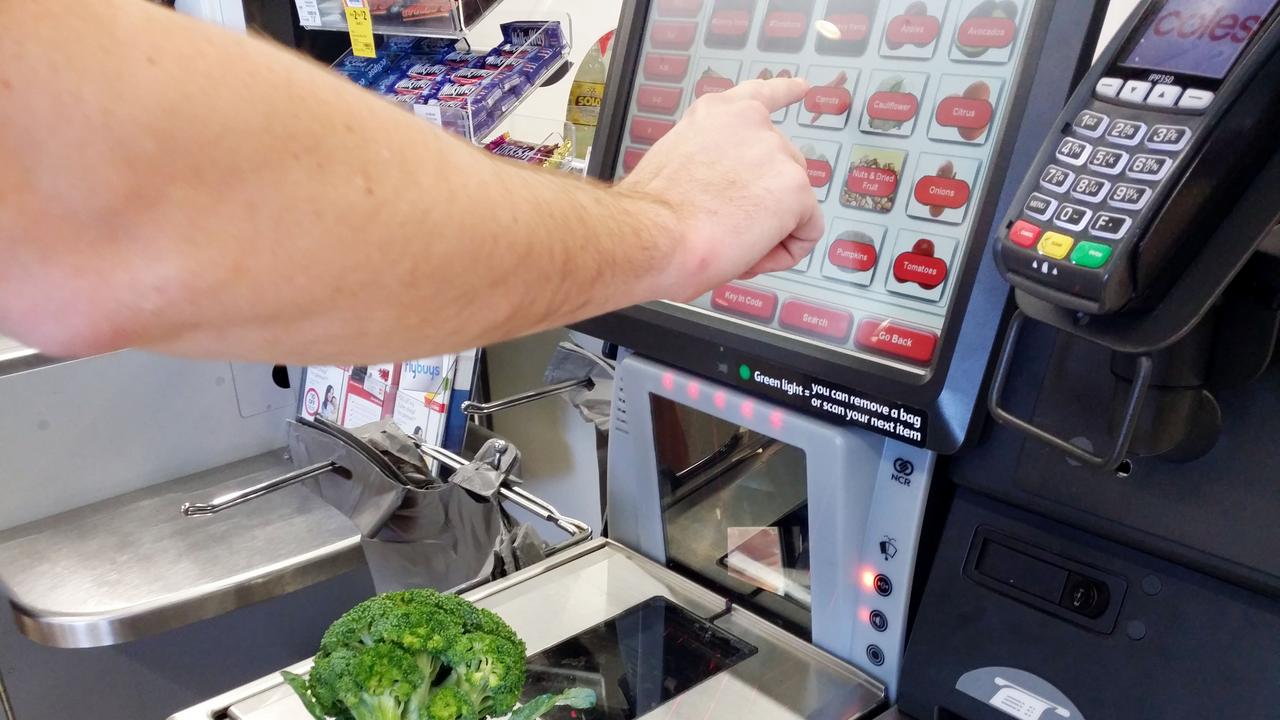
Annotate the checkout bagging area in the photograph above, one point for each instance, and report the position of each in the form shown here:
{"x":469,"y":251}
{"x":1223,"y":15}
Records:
{"x":1002,"y":447}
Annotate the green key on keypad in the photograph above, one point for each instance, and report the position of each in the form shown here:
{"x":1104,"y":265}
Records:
{"x":1090,"y":255}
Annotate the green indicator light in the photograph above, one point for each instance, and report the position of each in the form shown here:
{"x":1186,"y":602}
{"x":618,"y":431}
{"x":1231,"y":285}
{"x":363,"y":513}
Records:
{"x":744,"y":372}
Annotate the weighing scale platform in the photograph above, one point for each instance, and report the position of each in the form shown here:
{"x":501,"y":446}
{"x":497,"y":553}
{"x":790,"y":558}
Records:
{"x":641,"y":623}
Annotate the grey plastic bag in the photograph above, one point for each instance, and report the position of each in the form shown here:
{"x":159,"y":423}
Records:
{"x":441,"y":537}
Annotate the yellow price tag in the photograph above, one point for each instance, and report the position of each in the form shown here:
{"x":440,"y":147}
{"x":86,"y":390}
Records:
{"x":360,"y":26}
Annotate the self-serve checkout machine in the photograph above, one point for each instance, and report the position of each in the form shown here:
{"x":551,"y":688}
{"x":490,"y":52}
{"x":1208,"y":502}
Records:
{"x":1109,"y":549}
{"x":773,"y":443}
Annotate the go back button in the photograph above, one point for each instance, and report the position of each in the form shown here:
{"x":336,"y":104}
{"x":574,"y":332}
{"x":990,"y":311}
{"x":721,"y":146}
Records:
{"x":890,"y":338}
{"x":816,"y":320}
{"x":745,"y":302}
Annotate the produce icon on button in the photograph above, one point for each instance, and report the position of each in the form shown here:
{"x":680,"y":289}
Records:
{"x":767,"y":74}
{"x":989,"y":26}
{"x":915,"y":26}
{"x":711,"y":81}
{"x":892,"y":105}
{"x":941,"y":191}
{"x":872,"y":183}
{"x":969,"y":112}
{"x":919,"y":266}
{"x":831,"y":98}
{"x":818,"y":166}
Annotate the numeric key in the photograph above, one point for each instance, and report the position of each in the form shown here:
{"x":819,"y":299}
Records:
{"x":1108,"y":161}
{"x":1126,"y":132}
{"x":1072,"y":217}
{"x":1056,"y":178}
{"x":1074,"y":152}
{"x":1168,"y":137}
{"x":1150,"y":167}
{"x":1090,"y":189}
{"x":1090,"y":124}
{"x":1129,"y":197}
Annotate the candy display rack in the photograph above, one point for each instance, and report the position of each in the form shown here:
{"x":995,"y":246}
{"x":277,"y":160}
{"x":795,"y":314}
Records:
{"x":424,"y":18}
{"x":474,"y":119}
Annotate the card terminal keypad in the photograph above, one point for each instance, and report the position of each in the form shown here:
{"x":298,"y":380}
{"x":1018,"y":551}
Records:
{"x":1096,"y":181}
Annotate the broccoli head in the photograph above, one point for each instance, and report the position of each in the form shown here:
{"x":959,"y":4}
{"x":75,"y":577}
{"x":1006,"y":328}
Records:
{"x":415,"y":655}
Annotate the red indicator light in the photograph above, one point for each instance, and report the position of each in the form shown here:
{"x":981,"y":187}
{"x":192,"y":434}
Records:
{"x":694,"y":390}
{"x":748,"y":409}
{"x":864,"y":615}
{"x":868,"y":579}
{"x":775,"y":419}
{"x":720,"y":400}
{"x":668,"y":381}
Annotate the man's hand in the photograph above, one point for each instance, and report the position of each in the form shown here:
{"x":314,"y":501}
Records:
{"x":735,"y":189}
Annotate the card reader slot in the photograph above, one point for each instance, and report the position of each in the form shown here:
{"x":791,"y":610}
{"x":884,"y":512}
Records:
{"x":1044,"y":580}
{"x":1019,"y":570}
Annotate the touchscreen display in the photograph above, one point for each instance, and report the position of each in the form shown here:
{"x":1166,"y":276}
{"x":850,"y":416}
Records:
{"x":635,"y":662}
{"x":1198,"y":37}
{"x":907,"y":105}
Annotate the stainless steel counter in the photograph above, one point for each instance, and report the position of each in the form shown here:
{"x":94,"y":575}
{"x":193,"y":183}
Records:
{"x":786,"y":679}
{"x":133,"y":566}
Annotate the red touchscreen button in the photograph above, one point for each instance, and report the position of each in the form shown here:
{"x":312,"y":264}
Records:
{"x":631,"y":158}
{"x":827,"y":100}
{"x":647,"y":132}
{"x":730,"y":24}
{"x":876,"y":182}
{"x":819,"y":172}
{"x":711,"y":82}
{"x":890,"y":338}
{"x":894,"y":106}
{"x":666,"y":68}
{"x":782,"y":24}
{"x":919,"y":266}
{"x":852,"y":255}
{"x":669,"y":35}
{"x":967,"y":113}
{"x":744,"y":301}
{"x":986,"y":32}
{"x":852,"y":27}
{"x":661,"y":100}
{"x":943,"y":192}
{"x":679,"y":8}
{"x":917,"y":30}
{"x":824,"y":322}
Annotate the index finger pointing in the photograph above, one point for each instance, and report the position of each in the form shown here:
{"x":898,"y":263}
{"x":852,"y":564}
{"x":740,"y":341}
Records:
{"x":774,"y":94}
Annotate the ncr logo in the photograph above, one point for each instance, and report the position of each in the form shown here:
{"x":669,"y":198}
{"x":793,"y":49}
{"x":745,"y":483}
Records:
{"x":1213,"y":24}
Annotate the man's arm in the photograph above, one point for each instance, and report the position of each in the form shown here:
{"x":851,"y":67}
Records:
{"x":176,"y":187}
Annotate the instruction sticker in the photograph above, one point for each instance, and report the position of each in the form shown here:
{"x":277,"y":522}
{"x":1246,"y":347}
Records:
{"x":835,"y":403}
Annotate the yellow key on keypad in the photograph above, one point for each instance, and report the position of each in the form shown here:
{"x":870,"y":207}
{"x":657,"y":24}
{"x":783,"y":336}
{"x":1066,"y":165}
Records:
{"x":1055,"y":245}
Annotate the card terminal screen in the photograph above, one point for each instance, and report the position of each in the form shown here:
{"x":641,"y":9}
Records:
{"x":1198,"y":37}
{"x":908,"y":104}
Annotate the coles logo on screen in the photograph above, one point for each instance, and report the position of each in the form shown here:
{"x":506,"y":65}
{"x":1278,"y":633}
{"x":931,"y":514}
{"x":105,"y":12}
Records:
{"x":1215,"y":23}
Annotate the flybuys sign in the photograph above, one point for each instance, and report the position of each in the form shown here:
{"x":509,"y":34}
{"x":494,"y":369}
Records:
{"x":424,"y":375}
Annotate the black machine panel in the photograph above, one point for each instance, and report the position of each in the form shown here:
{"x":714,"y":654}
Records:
{"x":919,"y":114}
{"x":1181,"y":644}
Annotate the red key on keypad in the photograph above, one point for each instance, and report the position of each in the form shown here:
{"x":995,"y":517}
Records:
{"x":1024,"y":234}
